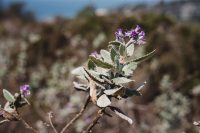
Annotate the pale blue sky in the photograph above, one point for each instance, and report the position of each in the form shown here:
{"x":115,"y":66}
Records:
{"x":45,"y":9}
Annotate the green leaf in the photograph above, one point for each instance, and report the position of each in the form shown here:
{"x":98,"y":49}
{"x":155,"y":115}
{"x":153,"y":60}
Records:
{"x":121,"y":114}
{"x":129,"y":68}
{"x":115,"y":43}
{"x":140,"y":59}
{"x":112,"y":91}
{"x":103,"y":101}
{"x":101,"y":63}
{"x":121,"y":80}
{"x":113,"y":53}
{"x":80,"y":87}
{"x":8,"y":96}
{"x":130,"y":49}
{"x":94,"y":76}
{"x":106,"y":56}
{"x":91,"y":64}
{"x":122,"y":50}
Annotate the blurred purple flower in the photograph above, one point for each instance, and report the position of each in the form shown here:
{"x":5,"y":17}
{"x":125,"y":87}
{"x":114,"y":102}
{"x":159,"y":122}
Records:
{"x":25,"y":90}
{"x":137,"y":35}
{"x":119,"y":35}
{"x":95,"y":55}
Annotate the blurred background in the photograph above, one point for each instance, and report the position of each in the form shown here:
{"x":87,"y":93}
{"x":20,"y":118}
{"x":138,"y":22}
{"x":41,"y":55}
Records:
{"x":41,"y":41}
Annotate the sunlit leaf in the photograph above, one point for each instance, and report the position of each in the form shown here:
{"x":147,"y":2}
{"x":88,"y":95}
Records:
{"x":106,"y":56}
{"x":80,"y":87}
{"x":8,"y":96}
{"x":101,"y":63}
{"x":94,"y":76}
{"x":121,"y":80}
{"x":129,"y":68}
{"x":130,"y":49}
{"x":103,"y":101}
{"x":122,"y":50}
{"x":111,"y":91}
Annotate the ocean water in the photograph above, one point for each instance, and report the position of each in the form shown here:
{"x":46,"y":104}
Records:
{"x":46,"y":9}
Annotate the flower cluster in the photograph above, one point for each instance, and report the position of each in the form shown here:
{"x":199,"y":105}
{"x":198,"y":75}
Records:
{"x":25,"y":90}
{"x":136,"y":35}
{"x":106,"y":73}
{"x":9,"y":111}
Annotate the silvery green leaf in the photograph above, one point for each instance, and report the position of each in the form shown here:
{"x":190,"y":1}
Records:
{"x":102,"y":71}
{"x":80,"y":87}
{"x":8,"y":108}
{"x":111,"y":91}
{"x":140,"y":59}
{"x":103,"y":101}
{"x":101,"y":63}
{"x":129,"y":68}
{"x":94,"y":76}
{"x":78,"y":71}
{"x":115,"y":43}
{"x":106,"y":56}
{"x":118,"y":112}
{"x":122,"y":50}
{"x":113,"y":53}
{"x":91,"y":64}
{"x":196,"y":123}
{"x":130,"y":49}
{"x":121,"y":80}
{"x":8,"y":96}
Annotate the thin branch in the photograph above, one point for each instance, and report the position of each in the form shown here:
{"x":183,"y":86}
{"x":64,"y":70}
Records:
{"x":77,"y":116}
{"x":3,"y":121}
{"x":28,"y":126}
{"x":51,"y":123}
{"x":95,"y":121}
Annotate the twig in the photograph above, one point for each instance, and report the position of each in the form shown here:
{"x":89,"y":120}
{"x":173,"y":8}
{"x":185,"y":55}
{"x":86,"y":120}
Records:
{"x":77,"y":116}
{"x":3,"y":121}
{"x":95,"y":121}
{"x":28,"y":126}
{"x":51,"y":123}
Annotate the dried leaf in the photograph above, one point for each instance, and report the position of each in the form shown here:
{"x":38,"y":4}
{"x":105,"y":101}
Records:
{"x":121,"y":114}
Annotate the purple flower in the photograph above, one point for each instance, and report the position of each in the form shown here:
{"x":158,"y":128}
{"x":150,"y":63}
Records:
{"x":141,"y":38}
{"x":25,"y":90}
{"x":119,"y":35}
{"x":95,"y":55}
{"x":137,"y":35}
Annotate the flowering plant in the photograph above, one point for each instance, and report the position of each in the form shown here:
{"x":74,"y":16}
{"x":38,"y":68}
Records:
{"x":103,"y":78}
{"x":106,"y":73}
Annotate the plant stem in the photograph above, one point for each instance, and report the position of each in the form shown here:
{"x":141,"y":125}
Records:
{"x":77,"y":116}
{"x":95,"y":121}
{"x":51,"y":123}
{"x":3,"y":121}
{"x":28,"y":126}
